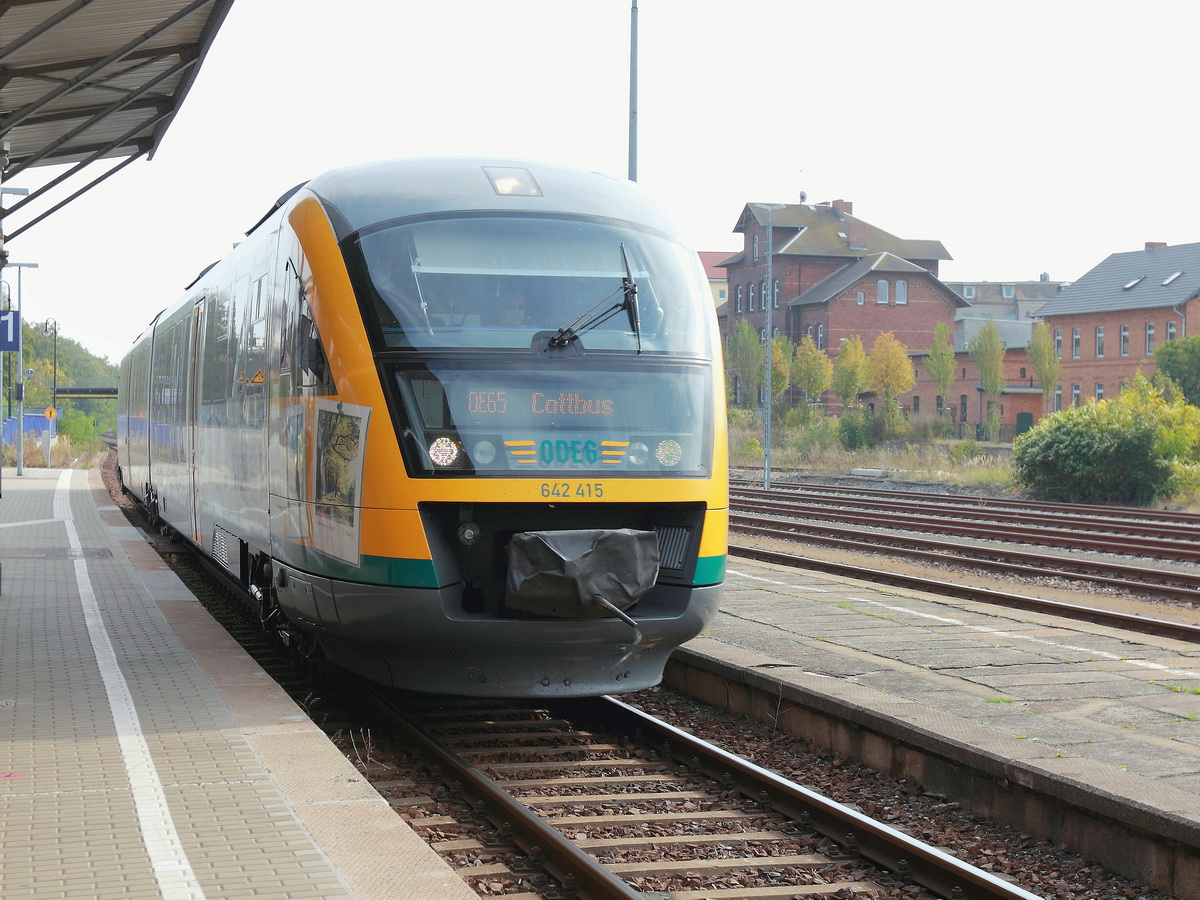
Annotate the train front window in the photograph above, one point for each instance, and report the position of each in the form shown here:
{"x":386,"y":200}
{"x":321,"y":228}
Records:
{"x":503,"y":281}
{"x":470,"y":417}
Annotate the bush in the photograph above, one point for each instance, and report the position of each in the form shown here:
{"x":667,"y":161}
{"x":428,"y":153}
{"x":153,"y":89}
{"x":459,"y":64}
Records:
{"x":854,"y":429}
{"x":1137,"y":448}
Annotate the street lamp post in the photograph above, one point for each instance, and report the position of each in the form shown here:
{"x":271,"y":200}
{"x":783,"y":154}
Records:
{"x":20,"y":267}
{"x":769,"y":306}
{"x":54,"y":377}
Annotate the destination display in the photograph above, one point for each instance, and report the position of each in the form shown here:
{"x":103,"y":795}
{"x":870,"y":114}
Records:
{"x":531,"y":421}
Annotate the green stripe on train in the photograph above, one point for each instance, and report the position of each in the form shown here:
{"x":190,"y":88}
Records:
{"x":710,"y":570}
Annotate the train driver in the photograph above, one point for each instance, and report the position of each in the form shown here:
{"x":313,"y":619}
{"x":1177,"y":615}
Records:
{"x":511,"y":308}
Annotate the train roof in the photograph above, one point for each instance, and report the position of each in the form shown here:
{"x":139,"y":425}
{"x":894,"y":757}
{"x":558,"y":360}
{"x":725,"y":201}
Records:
{"x":360,"y":196}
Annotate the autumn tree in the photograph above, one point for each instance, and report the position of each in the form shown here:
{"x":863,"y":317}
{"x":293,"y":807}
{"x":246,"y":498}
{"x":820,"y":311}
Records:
{"x":850,"y":372}
{"x":812,"y":372}
{"x":744,"y":364}
{"x":1045,"y":362}
{"x":782,"y":349}
{"x":890,"y":373}
{"x":987,"y":350}
{"x":940,"y":364}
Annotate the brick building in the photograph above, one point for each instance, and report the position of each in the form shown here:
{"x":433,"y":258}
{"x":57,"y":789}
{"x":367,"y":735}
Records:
{"x":833,"y":275}
{"x":1020,"y":403}
{"x":1107,"y":324}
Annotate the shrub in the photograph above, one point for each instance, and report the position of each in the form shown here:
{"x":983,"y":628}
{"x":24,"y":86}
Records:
{"x":1137,"y":448}
{"x":854,"y":429}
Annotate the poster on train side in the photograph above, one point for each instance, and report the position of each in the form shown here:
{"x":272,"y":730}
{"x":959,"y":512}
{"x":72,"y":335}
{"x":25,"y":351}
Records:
{"x":341,"y":442}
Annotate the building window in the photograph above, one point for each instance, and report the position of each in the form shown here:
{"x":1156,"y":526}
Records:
{"x":901,"y":292}
{"x":821,"y":336}
{"x":775,"y":295}
{"x":962,"y":407}
{"x":881,"y":291}
{"x":750,"y":289}
{"x":1007,"y":291}
{"x":1023,"y":373}
{"x":1124,"y":340}
{"x":739,"y":298}
{"x":1074,"y":342}
{"x":941,"y":404}
{"x":1149,"y":338}
{"x":1058,"y":342}
{"x":1099,"y":391}
{"x":860,"y":298}
{"x":1058,"y":398}
{"x":1170,"y":331}
{"x":1074,"y":395}
{"x":756,"y":248}
{"x":762,"y":336}
{"x":968,"y":292}
{"x":762,"y":293}
{"x":721,"y":292}
{"x":1099,"y":342}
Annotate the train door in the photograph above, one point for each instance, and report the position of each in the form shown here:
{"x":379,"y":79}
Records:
{"x":195,"y":362}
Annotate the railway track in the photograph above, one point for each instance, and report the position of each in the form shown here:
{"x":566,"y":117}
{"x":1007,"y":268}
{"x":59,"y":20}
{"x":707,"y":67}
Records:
{"x":1024,"y":508}
{"x":659,"y":814}
{"x":858,"y":531}
{"x":1179,"y":542}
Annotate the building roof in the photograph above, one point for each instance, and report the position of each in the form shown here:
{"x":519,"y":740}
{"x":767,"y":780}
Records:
{"x":85,"y":82}
{"x":711,"y":260}
{"x":1141,"y":279}
{"x":1014,"y":335}
{"x":876,"y":264}
{"x":828,"y":229}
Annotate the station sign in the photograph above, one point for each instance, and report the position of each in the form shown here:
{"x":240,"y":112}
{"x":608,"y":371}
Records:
{"x":10,"y":329}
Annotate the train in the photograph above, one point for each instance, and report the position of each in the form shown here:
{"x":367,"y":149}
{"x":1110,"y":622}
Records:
{"x":455,"y":424}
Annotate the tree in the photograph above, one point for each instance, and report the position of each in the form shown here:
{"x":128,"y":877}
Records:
{"x":987,"y":350}
{"x":850,"y":372}
{"x":1179,"y":360}
{"x":744,"y":362}
{"x":890,"y":373}
{"x":1136,"y":448}
{"x":812,"y":372}
{"x":781,"y":366}
{"x":1045,"y":362}
{"x":940,"y":364}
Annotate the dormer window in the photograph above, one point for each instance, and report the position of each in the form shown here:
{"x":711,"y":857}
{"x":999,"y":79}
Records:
{"x":968,"y":292}
{"x":1007,"y":291}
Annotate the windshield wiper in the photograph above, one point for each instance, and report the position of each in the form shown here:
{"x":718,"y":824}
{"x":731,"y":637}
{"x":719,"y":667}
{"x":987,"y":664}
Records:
{"x":594,"y":315}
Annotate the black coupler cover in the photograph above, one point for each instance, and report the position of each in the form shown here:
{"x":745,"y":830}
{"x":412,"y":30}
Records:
{"x":558,"y":573}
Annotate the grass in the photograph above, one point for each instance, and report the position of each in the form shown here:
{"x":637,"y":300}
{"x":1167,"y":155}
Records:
{"x":816,"y":450}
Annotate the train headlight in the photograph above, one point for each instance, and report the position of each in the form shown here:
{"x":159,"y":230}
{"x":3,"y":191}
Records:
{"x":443,"y":451}
{"x":638,"y":454}
{"x":484,"y":453}
{"x":669,"y":453}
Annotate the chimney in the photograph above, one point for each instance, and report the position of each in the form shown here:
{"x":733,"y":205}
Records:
{"x":1154,"y":245}
{"x":843,"y":208}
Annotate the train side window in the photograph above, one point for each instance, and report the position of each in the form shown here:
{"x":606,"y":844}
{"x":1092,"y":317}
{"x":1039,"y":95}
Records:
{"x":303,"y":341}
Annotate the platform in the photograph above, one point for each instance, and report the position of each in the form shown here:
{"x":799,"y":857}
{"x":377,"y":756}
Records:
{"x":143,"y":753}
{"x":1098,"y":719}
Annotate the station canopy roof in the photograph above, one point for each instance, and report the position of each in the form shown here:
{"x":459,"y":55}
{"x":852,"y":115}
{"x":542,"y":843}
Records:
{"x":94,"y":85}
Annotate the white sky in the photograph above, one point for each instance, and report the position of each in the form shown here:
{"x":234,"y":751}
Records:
{"x":1028,"y":137}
